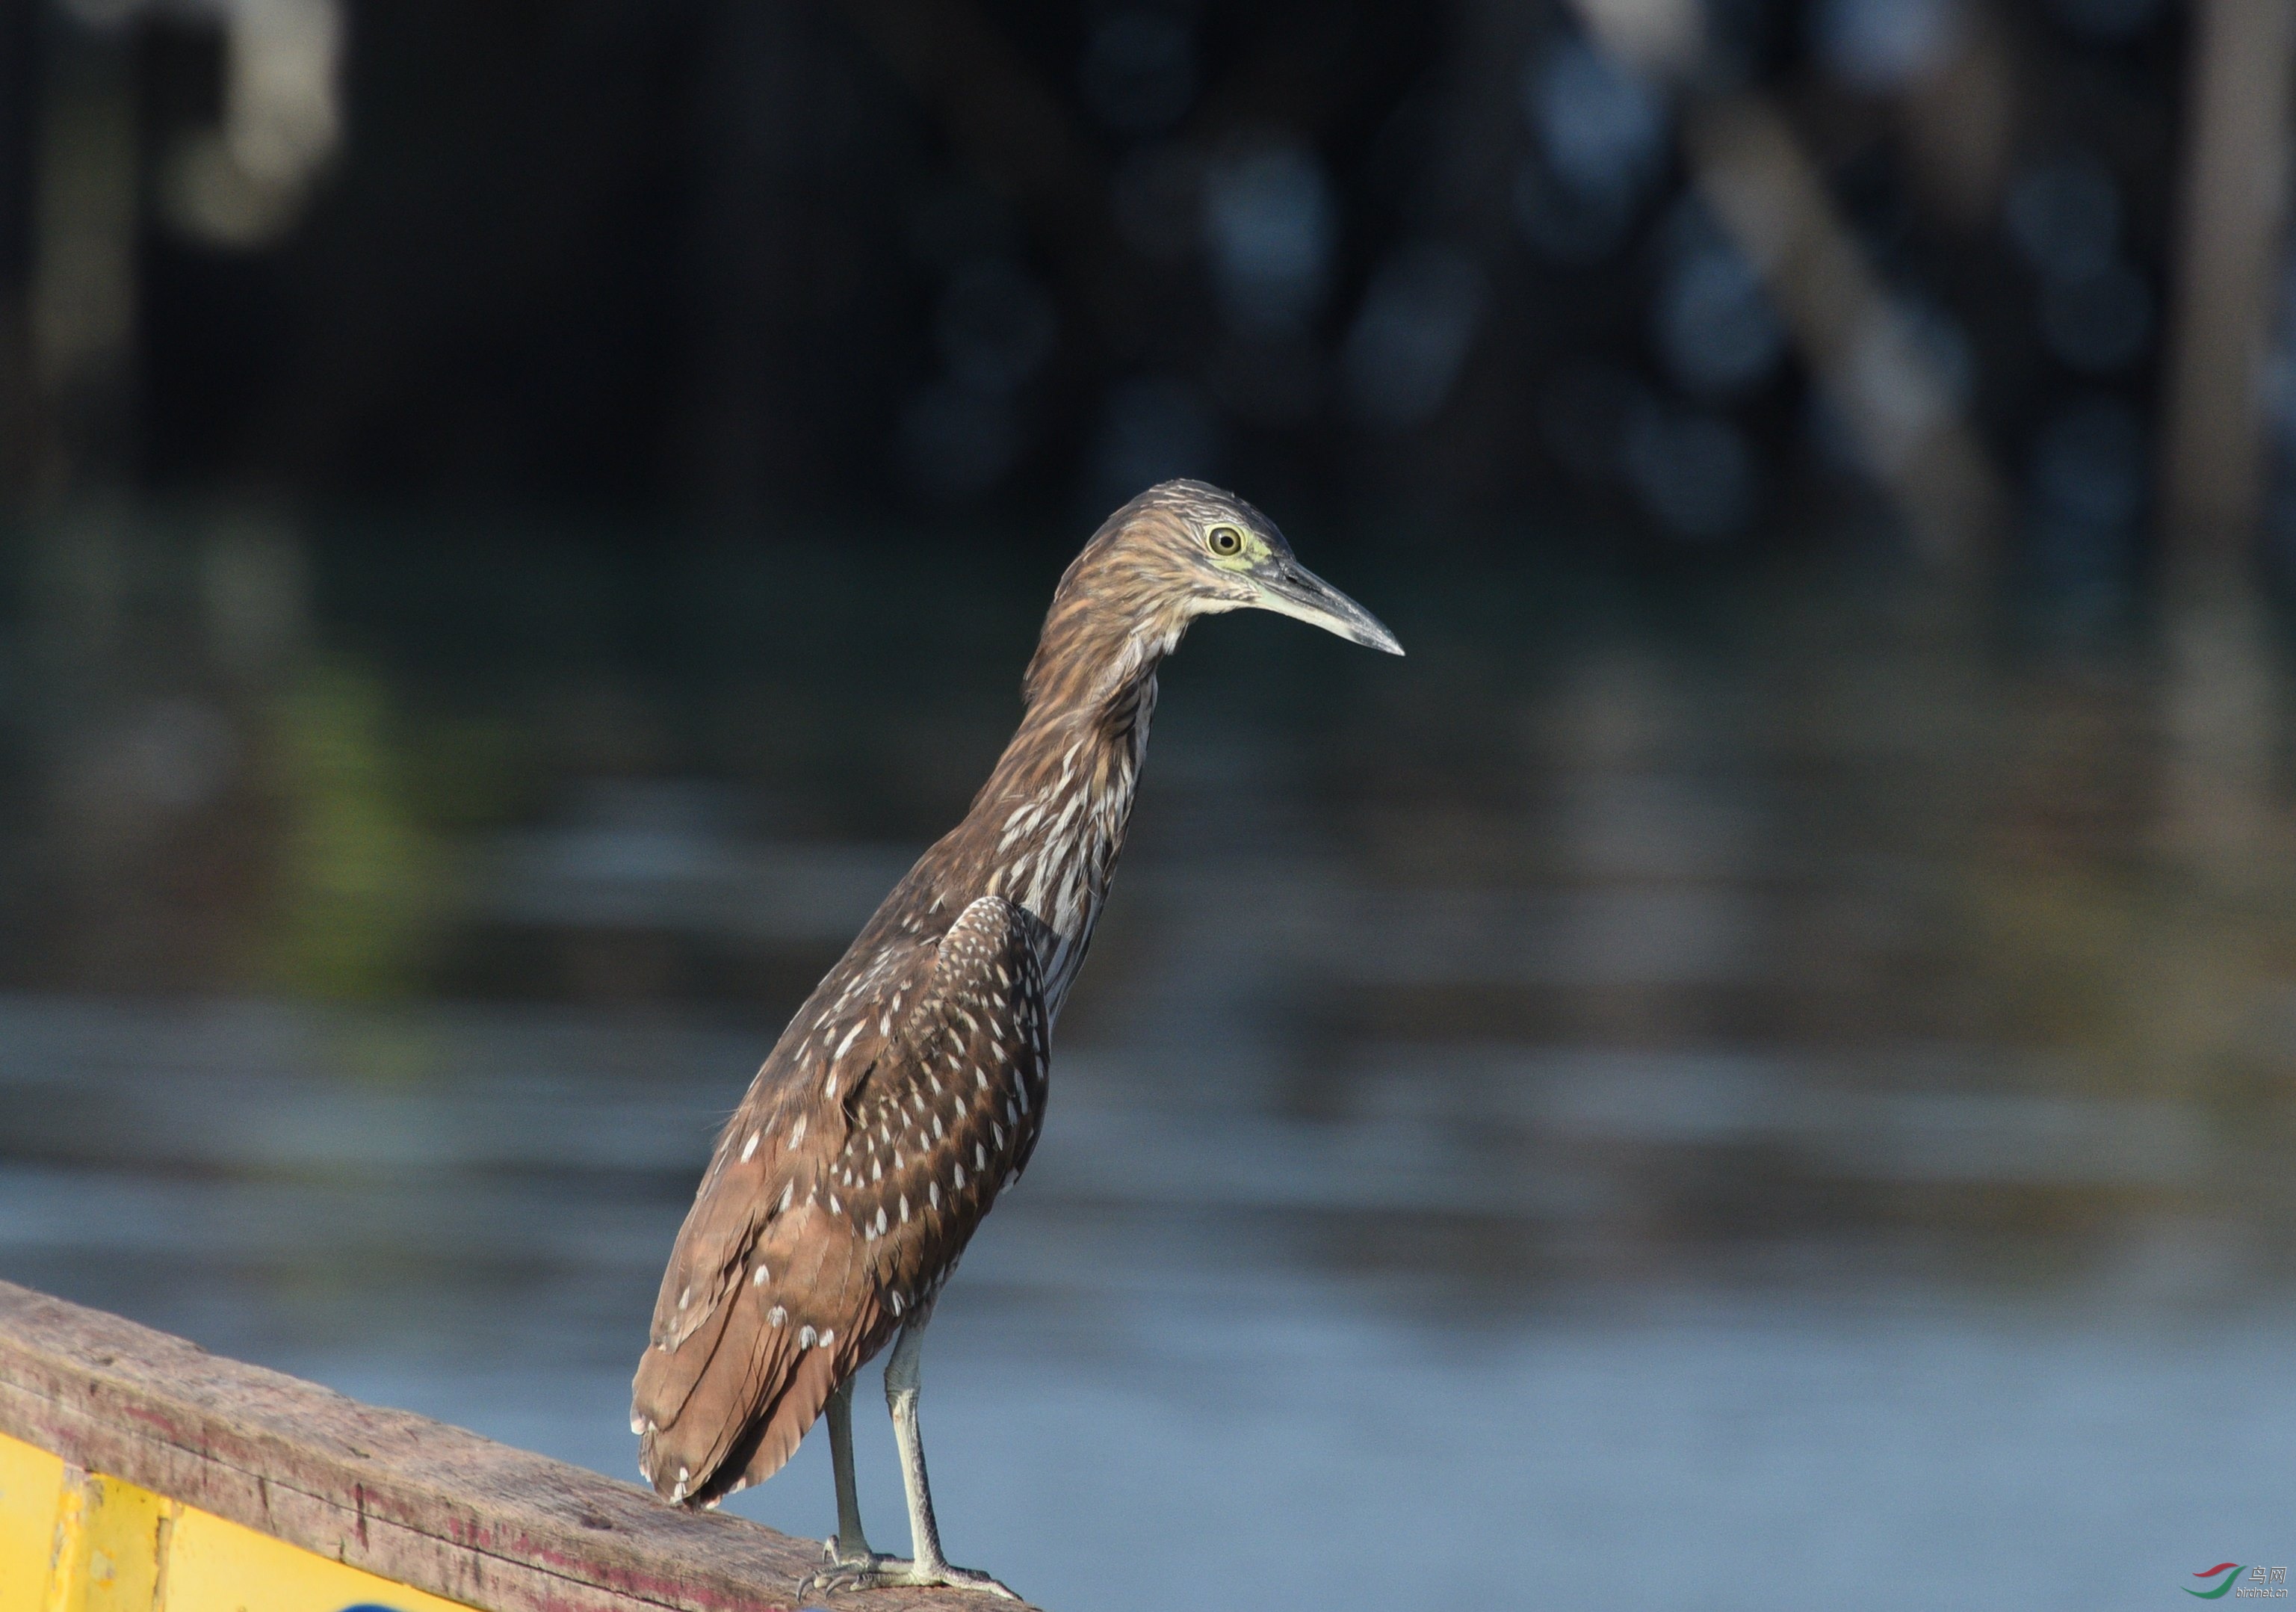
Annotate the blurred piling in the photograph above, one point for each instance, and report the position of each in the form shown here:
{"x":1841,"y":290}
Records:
{"x":1745,"y":160}
{"x":2230,"y":228}
{"x":2224,"y":692}
{"x":81,"y":296}
{"x":17,"y":143}
{"x":1855,"y":339}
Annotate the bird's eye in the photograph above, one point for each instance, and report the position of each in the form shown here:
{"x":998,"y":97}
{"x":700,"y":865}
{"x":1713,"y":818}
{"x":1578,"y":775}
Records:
{"x":1224,"y":540}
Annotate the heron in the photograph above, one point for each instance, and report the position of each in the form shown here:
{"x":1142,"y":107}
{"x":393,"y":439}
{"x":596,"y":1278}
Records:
{"x":908,"y":1092}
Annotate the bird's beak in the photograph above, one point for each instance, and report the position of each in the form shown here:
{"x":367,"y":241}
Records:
{"x":1290,"y":589}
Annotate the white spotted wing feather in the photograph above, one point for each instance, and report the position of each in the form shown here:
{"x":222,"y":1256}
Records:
{"x":906,"y":1095}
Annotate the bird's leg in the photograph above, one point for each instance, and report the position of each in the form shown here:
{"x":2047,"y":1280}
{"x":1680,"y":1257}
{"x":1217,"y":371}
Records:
{"x":850,"y":1545}
{"x":848,"y":1562}
{"x":903,"y":1379}
{"x":928,"y":1566}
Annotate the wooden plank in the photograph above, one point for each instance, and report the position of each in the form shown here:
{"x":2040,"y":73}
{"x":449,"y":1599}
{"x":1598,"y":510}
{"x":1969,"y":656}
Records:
{"x":410,"y":1499}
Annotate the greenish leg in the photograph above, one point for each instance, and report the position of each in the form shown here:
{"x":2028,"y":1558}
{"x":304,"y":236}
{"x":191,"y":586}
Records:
{"x":852,"y":1566}
{"x":851,"y":1544}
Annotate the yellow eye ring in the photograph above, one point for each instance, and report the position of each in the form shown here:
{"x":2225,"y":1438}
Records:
{"x":1225,"y":541}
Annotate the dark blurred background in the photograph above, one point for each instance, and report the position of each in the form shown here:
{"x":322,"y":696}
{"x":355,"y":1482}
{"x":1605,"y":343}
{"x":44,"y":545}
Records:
{"x":1766,"y":1047}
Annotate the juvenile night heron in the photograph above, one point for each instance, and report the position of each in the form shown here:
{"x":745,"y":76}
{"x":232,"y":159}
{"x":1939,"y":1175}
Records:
{"x":908,"y":1092}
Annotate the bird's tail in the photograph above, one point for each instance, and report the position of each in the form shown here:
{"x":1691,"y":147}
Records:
{"x":727,"y":1406}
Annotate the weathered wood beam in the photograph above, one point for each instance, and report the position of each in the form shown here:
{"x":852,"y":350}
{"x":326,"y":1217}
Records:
{"x":399,"y":1495}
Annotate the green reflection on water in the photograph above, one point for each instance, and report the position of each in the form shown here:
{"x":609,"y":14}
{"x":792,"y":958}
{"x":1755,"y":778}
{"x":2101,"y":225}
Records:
{"x":361,"y":882}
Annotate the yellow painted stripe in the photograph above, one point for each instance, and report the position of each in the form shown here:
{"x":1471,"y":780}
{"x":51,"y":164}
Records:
{"x":30,"y":1481}
{"x":84,"y":1542}
{"x":106,"y":1554}
{"x":220,"y":1566}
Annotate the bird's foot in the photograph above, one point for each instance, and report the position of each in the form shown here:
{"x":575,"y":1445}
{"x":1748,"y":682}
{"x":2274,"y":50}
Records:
{"x":838,"y":1558}
{"x":844,"y":1567}
{"x":867,"y":1570}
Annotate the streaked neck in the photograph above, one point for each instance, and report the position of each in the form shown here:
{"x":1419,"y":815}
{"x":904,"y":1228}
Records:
{"x":1051,"y":821}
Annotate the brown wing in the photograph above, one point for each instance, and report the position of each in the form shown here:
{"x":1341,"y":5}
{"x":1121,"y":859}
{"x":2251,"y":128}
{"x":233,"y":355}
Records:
{"x":942,"y":1127}
{"x":721,"y":1354}
{"x":866,"y":1151}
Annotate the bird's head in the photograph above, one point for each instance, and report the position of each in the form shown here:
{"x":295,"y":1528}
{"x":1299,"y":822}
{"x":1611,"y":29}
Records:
{"x":1184,"y":549}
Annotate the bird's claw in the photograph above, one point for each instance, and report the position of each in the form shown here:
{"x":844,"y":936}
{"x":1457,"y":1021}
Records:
{"x":841,"y":1569}
{"x":871,"y":1571}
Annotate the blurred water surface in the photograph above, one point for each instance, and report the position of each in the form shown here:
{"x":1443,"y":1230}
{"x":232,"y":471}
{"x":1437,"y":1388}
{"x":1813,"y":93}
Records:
{"x":1759,"y":1104}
